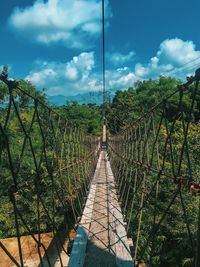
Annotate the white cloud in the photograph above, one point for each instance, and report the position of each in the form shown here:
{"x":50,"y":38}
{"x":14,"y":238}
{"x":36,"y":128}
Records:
{"x":80,"y":66}
{"x":64,"y":78}
{"x":74,"y":23}
{"x":80,"y":75}
{"x":172,"y":55}
{"x":118,"y":59}
{"x":39,"y":78}
{"x":177,"y":52}
{"x":171,"y":59}
{"x":120,"y":79}
{"x":77,"y":76}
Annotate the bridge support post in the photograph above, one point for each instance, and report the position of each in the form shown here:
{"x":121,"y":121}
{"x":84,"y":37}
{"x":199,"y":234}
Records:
{"x":104,"y":138}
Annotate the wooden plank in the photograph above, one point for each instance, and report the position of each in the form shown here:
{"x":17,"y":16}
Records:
{"x":77,"y":256}
{"x":99,"y":252}
{"x":122,"y":250}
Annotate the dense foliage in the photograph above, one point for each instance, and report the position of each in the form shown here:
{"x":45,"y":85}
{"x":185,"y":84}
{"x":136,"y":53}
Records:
{"x":87,"y":117}
{"x":129,"y":105}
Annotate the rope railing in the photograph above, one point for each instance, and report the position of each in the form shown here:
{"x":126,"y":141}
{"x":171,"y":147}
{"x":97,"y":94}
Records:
{"x":46,"y":165}
{"x":156,"y":165}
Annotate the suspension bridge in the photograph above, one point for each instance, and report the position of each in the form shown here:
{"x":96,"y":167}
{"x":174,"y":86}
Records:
{"x":74,"y":199}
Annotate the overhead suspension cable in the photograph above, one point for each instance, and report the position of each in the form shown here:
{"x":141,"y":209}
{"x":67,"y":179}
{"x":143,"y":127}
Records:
{"x":185,"y":66}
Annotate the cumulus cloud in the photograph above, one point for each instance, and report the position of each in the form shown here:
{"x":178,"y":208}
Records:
{"x":70,"y":22}
{"x":64,"y":78}
{"x":119,"y":59}
{"x":77,"y":76}
{"x":80,"y":74}
{"x":175,"y":57}
{"x":177,"y":52}
{"x":120,"y":78}
{"x":45,"y":73}
{"x":172,"y":55}
{"x":80,"y":66}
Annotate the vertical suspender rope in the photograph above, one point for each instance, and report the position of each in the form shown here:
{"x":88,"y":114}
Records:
{"x":103,"y":59}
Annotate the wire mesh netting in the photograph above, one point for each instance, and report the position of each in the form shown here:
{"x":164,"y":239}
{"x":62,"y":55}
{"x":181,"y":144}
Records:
{"x":46,"y":167}
{"x":156,"y":165}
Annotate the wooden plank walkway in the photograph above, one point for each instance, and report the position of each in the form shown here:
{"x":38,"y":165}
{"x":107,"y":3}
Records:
{"x":101,"y":237}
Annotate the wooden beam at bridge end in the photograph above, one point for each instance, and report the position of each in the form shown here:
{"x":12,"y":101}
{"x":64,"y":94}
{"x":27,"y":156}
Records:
{"x":104,"y":134}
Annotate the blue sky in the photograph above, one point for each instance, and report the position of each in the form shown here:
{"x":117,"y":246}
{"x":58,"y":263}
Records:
{"x":56,"y":44}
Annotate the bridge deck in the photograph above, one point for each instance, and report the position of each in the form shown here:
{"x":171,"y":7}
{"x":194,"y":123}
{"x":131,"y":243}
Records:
{"x":101,"y":238}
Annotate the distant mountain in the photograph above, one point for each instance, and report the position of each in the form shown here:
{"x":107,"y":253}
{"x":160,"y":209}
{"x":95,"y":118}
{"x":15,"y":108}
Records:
{"x":86,"y":98}
{"x":57,"y":100}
